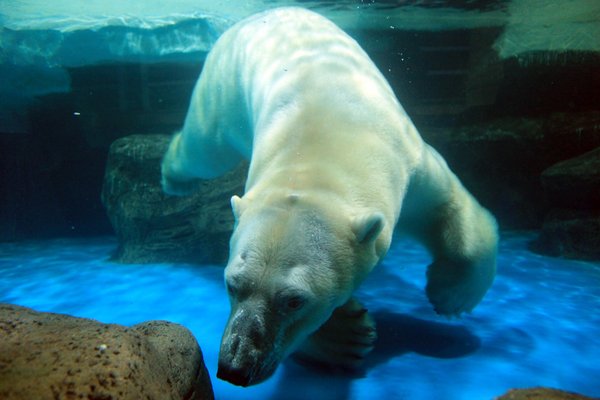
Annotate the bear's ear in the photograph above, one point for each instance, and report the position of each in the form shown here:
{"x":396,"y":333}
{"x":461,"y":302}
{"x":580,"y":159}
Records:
{"x":368,"y":227}
{"x":236,"y":206}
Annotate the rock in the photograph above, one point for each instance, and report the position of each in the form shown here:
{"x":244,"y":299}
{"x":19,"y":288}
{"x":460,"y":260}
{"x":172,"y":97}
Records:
{"x":541,"y":394}
{"x":180,"y":353}
{"x":154,"y":227}
{"x":571,"y":234}
{"x":501,"y":159}
{"x":572,"y":227}
{"x":54,"y":356}
{"x":574,"y":183}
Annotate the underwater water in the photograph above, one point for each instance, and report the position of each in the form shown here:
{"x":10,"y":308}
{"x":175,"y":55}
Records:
{"x":538,"y":326}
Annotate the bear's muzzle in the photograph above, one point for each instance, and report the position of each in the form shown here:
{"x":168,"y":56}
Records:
{"x":247,"y":355}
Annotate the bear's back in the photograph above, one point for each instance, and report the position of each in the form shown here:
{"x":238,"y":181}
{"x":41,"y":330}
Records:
{"x":294,"y":56}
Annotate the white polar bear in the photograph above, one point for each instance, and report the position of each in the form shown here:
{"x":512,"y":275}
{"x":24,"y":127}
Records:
{"x":335,"y":165}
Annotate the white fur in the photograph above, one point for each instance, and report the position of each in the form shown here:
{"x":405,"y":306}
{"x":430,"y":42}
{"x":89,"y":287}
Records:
{"x":326,"y":137}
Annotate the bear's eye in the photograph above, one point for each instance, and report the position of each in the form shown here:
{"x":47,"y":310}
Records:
{"x":295,"y":303}
{"x":230,"y":289}
{"x":233,"y":287}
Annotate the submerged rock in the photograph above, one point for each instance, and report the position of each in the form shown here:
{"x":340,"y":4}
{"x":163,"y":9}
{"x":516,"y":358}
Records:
{"x":500,"y":160}
{"x":55,"y":356}
{"x":541,"y":393}
{"x":572,"y":227}
{"x":152,"y":226}
{"x":571,"y":234}
{"x":574,"y":183}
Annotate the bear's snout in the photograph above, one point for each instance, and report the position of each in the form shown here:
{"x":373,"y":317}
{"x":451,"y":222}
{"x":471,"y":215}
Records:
{"x":246,"y":354}
{"x":231,"y":374}
{"x":237,"y":360}
{"x":251,"y":373}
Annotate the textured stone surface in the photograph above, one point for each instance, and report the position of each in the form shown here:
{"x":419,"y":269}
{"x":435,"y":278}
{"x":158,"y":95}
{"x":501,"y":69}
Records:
{"x":574,"y":183}
{"x":54,"y":356}
{"x":572,"y":227}
{"x":541,"y":394}
{"x":500,"y":160}
{"x":571,"y":234}
{"x":154,"y":227}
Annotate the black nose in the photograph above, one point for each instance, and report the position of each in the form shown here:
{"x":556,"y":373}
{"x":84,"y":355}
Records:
{"x":236,"y":376}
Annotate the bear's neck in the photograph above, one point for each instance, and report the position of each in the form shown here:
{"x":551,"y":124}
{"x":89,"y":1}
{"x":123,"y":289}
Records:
{"x":321,"y":153}
{"x":305,"y":180}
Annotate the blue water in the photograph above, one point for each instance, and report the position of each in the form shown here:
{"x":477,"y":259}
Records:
{"x":538,"y":326}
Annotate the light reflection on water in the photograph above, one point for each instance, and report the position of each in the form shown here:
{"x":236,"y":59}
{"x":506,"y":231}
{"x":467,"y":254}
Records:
{"x":538,"y":325}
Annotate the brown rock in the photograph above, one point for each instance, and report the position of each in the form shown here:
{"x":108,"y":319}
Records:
{"x":54,"y":356}
{"x":152,"y":226}
{"x":541,"y":394}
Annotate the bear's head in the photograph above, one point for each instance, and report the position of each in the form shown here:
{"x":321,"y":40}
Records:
{"x":290,"y":265}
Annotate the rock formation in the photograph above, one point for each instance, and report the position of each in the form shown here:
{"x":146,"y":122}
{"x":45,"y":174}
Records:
{"x":541,"y":394}
{"x":53,"y":356}
{"x":154,"y":227}
{"x":500,"y":160}
{"x":572,"y":227}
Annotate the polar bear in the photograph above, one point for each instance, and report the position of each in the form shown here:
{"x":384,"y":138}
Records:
{"x":335,"y":165}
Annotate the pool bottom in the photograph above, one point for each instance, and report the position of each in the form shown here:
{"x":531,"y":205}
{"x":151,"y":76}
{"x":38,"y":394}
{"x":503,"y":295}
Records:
{"x":537,"y":326}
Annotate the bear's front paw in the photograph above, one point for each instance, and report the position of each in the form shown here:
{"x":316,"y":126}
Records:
{"x":342,"y":342}
{"x":453,"y":288}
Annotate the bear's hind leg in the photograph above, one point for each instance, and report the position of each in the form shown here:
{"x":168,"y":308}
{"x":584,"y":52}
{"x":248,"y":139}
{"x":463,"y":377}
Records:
{"x":342,"y":342}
